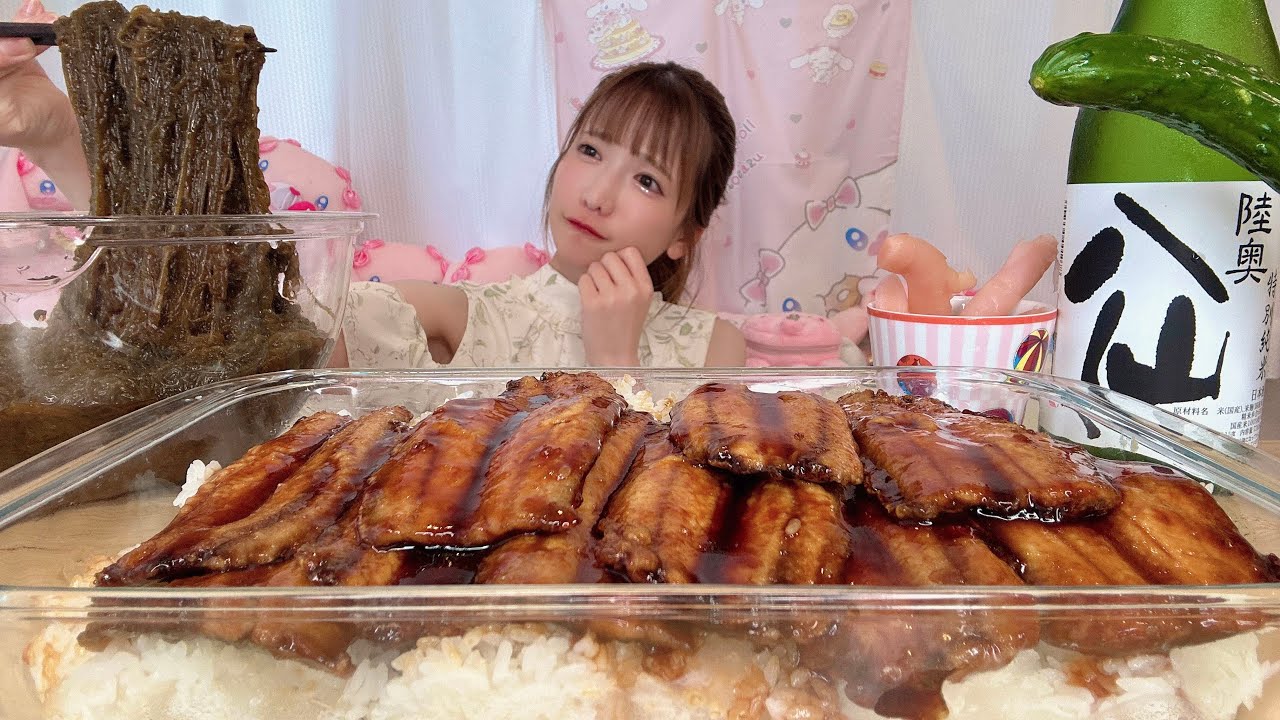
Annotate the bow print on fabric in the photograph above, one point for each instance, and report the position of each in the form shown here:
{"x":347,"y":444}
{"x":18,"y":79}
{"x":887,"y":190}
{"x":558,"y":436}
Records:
{"x":434,"y":253}
{"x":536,"y":255}
{"x":771,"y":263}
{"x":361,"y":258}
{"x":25,"y":166}
{"x":845,"y":196}
{"x":463,"y":271}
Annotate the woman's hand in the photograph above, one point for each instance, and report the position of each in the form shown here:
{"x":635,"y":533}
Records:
{"x":616,"y":293}
{"x":34,"y":114}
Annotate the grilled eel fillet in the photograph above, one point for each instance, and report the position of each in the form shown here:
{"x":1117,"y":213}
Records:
{"x":542,"y":558}
{"x":336,"y":557}
{"x":305,"y":504}
{"x":476,"y":471}
{"x":230,"y":495}
{"x":895,"y":661}
{"x":782,"y":532}
{"x":788,"y":434}
{"x":663,"y":518}
{"x":930,"y":460}
{"x":1168,"y":530}
{"x":673,"y":521}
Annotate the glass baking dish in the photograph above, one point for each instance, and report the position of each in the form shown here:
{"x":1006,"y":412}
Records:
{"x":604,"y":650}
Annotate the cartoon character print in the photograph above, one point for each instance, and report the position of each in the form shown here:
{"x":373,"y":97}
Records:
{"x":824,"y":63}
{"x":737,"y":9}
{"x":848,"y":292}
{"x":619,"y":39}
{"x":840,"y":20}
{"x":828,"y":263}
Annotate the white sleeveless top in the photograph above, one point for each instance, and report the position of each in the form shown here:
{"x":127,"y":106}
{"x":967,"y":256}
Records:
{"x":534,"y":321}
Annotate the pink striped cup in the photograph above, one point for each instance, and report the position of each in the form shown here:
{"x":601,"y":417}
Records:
{"x":1022,"y":341}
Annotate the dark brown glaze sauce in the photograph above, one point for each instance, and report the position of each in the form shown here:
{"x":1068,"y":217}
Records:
{"x":791,"y":435}
{"x":639,"y":522}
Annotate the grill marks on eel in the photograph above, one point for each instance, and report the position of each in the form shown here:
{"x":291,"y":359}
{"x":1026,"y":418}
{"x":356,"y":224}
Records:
{"x":663,"y":518}
{"x":565,"y":557}
{"x":230,"y":495}
{"x":788,"y":532}
{"x":477,"y":471}
{"x":1168,"y":530}
{"x":930,"y":460}
{"x":786,"y":435}
{"x":311,"y":499}
{"x":299,"y":508}
{"x":535,"y":479}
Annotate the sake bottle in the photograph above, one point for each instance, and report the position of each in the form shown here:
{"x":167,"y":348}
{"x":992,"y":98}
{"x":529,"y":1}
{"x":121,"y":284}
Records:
{"x":1167,"y":270}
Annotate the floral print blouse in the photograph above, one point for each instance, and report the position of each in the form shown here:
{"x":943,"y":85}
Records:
{"x":534,"y":321}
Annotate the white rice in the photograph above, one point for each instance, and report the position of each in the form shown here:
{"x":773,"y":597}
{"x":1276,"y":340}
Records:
{"x":1213,"y":681}
{"x":643,"y":400}
{"x":149,"y":678}
{"x":537,"y":671}
{"x":197,"y":474}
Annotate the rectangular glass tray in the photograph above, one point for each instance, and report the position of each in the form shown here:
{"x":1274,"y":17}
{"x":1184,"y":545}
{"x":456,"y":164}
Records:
{"x":532,"y":648}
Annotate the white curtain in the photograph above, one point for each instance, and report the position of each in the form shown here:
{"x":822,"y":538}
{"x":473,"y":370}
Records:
{"x":442,"y":110}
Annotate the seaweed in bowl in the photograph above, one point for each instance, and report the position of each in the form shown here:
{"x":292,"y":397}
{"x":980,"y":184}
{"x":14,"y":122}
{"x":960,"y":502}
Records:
{"x":167,"y":111}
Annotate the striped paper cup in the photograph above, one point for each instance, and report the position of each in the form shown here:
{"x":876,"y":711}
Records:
{"x":1022,"y":341}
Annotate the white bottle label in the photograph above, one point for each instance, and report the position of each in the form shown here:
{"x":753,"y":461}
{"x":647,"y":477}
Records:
{"x":1165,"y":293}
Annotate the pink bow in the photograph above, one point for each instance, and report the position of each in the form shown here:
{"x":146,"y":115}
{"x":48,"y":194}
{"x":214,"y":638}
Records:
{"x":473,"y":256}
{"x":362,"y":258}
{"x":351,"y":198}
{"x":771,"y":263}
{"x":24,"y":165}
{"x":434,"y":253}
{"x":536,"y":255}
{"x":267,"y":144}
{"x":845,"y":196}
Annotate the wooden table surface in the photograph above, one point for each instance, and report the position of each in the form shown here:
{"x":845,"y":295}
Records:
{"x":55,"y":551}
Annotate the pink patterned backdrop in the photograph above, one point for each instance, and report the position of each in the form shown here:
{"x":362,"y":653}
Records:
{"x":816,"y":89}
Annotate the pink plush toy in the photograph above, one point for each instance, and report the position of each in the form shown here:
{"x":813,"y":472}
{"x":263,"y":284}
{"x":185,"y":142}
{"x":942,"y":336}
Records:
{"x":38,"y":192}
{"x":497,"y":264}
{"x":379,"y":261}
{"x":791,"y":339}
{"x":300,"y":180}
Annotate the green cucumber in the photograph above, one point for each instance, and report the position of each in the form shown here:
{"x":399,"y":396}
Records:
{"x":1227,"y":105}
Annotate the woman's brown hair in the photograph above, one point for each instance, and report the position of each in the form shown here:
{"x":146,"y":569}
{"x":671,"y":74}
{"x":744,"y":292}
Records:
{"x":678,"y":117}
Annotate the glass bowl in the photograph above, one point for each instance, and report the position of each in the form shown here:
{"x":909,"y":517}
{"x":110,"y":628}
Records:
{"x":100,"y":316}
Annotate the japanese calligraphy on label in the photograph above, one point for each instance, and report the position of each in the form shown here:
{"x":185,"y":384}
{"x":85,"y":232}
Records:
{"x":1166,"y":292}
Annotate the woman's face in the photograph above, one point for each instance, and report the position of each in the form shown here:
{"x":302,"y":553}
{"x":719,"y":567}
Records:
{"x":605,"y":198}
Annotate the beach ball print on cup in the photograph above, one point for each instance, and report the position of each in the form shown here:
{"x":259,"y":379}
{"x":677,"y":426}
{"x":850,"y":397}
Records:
{"x":1022,"y":340}
{"x":1032,"y":351}
{"x":920,"y":384}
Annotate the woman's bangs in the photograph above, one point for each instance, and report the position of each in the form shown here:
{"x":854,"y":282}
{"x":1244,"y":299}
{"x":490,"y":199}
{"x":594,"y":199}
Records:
{"x":652,"y":125}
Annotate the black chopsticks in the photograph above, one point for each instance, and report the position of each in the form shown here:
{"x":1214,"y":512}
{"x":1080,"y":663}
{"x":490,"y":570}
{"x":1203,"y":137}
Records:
{"x":40,"y":33}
